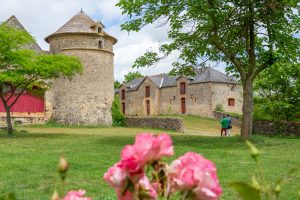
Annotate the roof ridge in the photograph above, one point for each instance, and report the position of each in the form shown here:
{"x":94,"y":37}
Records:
{"x":13,"y":17}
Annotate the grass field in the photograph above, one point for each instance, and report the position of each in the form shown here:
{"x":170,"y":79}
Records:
{"x":28,"y":162}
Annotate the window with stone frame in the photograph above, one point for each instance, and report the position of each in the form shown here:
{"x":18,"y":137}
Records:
{"x":147,"y":91}
{"x":182,"y":88}
{"x":100,"y":44}
{"x":123,"y":94}
{"x":231,"y":102}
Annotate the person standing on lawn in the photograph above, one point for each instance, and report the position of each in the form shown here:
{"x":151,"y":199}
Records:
{"x":229,"y":125}
{"x":224,"y":125}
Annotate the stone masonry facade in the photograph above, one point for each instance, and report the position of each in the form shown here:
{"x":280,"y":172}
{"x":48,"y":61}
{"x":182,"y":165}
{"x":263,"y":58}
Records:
{"x":86,"y":98}
{"x":200,"y":96}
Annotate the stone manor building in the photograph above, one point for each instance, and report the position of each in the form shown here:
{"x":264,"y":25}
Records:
{"x":199,"y":95}
{"x":87,"y":98}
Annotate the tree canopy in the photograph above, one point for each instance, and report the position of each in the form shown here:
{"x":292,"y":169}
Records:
{"x":248,"y":36}
{"x":278,"y":93}
{"x":24,"y":68}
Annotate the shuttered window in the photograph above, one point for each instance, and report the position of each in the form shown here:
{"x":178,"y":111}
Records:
{"x":231,"y":102}
{"x":147,"y":91}
{"x":182,"y":88}
{"x":123,"y":95}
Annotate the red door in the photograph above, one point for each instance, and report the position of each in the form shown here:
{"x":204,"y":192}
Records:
{"x":148,"y":107}
{"x":183,"y":108}
{"x":123,"y":108}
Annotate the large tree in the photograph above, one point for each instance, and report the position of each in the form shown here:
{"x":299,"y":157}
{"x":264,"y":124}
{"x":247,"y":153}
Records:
{"x":248,"y":35}
{"x":25,"y":69}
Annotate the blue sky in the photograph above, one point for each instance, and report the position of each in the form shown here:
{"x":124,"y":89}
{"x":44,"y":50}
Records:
{"x":43,"y":17}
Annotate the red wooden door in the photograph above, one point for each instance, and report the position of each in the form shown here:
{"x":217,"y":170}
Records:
{"x":148,"y":107}
{"x":183,"y":106}
{"x":123,"y":108}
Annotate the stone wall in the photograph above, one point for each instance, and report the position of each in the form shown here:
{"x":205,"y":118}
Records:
{"x":23,"y":120}
{"x":171,"y":124}
{"x":221,"y":92}
{"x":276,"y":128}
{"x":235,"y":120}
{"x":87,"y":98}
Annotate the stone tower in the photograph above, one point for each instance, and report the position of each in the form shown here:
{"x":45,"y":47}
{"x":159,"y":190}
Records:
{"x":87,"y":98}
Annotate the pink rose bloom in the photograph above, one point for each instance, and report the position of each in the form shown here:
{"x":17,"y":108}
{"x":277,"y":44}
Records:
{"x":76,"y":195}
{"x":192,"y":172}
{"x":149,"y":148}
{"x":115,"y":176}
{"x":145,"y":186}
{"x":131,"y":164}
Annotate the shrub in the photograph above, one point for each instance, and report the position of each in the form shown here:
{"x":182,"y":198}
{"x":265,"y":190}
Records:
{"x":219,"y":108}
{"x":117,"y":116}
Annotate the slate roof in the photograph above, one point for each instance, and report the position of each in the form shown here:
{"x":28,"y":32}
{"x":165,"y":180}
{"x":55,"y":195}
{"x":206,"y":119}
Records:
{"x":80,"y":23}
{"x":15,"y":23}
{"x":203,"y":75}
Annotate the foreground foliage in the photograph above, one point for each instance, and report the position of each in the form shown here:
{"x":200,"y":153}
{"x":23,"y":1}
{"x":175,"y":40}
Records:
{"x":29,"y":161}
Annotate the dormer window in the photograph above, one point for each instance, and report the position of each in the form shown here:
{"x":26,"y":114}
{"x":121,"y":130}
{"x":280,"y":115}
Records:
{"x":182,"y":88}
{"x":99,"y":29}
{"x":147,"y":91}
{"x":123,"y":95}
{"x":100,"y":44}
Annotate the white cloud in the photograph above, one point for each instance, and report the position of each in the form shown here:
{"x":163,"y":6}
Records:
{"x":43,"y":17}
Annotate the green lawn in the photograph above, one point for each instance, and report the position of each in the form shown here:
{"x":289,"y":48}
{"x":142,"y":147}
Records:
{"x":28,"y":162}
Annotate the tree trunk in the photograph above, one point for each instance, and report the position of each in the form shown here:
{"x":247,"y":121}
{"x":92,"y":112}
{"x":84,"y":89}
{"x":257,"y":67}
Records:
{"x":8,"y":121}
{"x":247,"y":122}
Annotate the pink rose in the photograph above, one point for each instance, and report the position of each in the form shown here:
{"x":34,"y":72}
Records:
{"x":149,"y":148}
{"x":192,"y":172}
{"x":166,"y":145}
{"x":147,"y":188}
{"x":115,"y":176}
{"x":76,"y":195}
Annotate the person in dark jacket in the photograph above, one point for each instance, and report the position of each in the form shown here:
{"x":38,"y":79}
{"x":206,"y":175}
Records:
{"x":229,"y":126}
{"x":224,"y":125}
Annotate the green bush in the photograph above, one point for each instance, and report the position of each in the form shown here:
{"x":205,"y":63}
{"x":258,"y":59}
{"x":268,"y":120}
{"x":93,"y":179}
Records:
{"x":117,"y":116}
{"x":219,"y":108}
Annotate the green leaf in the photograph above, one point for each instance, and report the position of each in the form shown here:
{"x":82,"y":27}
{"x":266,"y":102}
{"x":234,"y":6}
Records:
{"x":254,"y":151}
{"x":246,"y":191}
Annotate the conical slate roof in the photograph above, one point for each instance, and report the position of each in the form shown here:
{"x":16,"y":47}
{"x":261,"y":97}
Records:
{"x":80,"y":23}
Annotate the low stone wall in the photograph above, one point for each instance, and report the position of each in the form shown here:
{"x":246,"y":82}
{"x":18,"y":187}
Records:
{"x":23,"y":120}
{"x":171,"y":124}
{"x":235,"y":120}
{"x":276,"y":128}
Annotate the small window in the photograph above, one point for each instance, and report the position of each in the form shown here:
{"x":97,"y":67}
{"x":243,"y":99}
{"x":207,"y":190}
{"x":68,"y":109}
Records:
{"x":100,"y":44}
{"x":99,"y":29}
{"x":147,"y":91}
{"x":123,"y":95}
{"x":231,"y":102}
{"x":182,"y":88}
